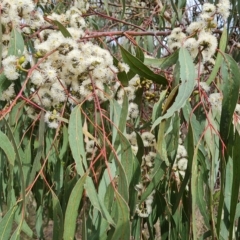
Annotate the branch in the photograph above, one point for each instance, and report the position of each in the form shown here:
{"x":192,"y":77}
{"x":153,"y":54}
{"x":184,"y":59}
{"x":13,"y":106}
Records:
{"x":123,"y":33}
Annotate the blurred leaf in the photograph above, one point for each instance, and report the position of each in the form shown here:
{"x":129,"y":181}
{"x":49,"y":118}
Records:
{"x":218,"y":62}
{"x":65,"y":141}
{"x":75,"y":131}
{"x":6,"y":223}
{"x":15,"y":235}
{"x":186,"y":87}
{"x":235,"y":184}
{"x":162,"y":63}
{"x":7,"y":147}
{"x":58,"y":215}
{"x":155,"y":180}
{"x":139,"y":68}
{"x":16,"y":44}
{"x":4,"y":83}
{"x":230,"y":90}
{"x":72,"y":208}
{"x":25,"y":227}
{"x":36,"y":165}
{"x":201,"y":199}
{"x":122,"y":229}
{"x":96,"y":201}
{"x":123,"y":8}
{"x":139,"y":54}
{"x":106,"y":6}
{"x":123,"y":78}
{"x":194,"y":176}
{"x":62,"y":29}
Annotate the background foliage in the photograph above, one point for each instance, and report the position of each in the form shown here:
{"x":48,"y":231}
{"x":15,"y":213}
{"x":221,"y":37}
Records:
{"x":113,"y":126}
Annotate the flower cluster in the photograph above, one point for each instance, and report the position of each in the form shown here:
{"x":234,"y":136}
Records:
{"x":70,"y":71}
{"x":200,"y":38}
{"x":215,"y":100}
{"x":181,"y":161}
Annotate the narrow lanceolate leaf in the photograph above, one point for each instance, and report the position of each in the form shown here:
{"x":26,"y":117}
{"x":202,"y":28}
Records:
{"x":7,"y":147}
{"x":72,"y":209}
{"x":162,"y":63}
{"x":219,"y":59}
{"x":122,"y":230}
{"x":235,"y":184}
{"x":62,"y":29}
{"x":16,"y":44}
{"x":58,"y":217}
{"x":230,"y":91}
{"x":4,"y":83}
{"x":123,"y":8}
{"x":75,"y":131}
{"x":194,"y":175}
{"x":187,"y":75}
{"x":139,"y":68}
{"x":6,"y":223}
{"x":97,"y":202}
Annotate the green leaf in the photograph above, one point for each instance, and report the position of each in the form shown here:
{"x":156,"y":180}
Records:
{"x":7,"y":147}
{"x":40,"y":149}
{"x":123,"y":78}
{"x":16,"y":44}
{"x":75,"y":131}
{"x":58,"y":216}
{"x":62,"y":29}
{"x":72,"y":209}
{"x":218,"y":62}
{"x":25,"y":227}
{"x":6,"y":223}
{"x":96,"y":201}
{"x":106,"y":7}
{"x":157,"y":176}
{"x":162,"y":63}
{"x":4,"y":83}
{"x":194,"y":176}
{"x":122,"y":230}
{"x":230,"y":90}
{"x":187,"y":76}
{"x":139,"y":54}
{"x":123,"y":8}
{"x":139,"y":68}
{"x":64,"y":146}
{"x":235,"y":183}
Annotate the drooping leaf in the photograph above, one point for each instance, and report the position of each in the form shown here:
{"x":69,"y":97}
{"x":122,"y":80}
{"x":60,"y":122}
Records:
{"x":6,"y":223}
{"x":62,"y":29}
{"x":230,"y":91}
{"x":4,"y":83}
{"x":7,"y":147}
{"x":123,"y":78}
{"x":97,"y":202}
{"x":25,"y":226}
{"x":58,"y":216}
{"x":219,"y":59}
{"x":139,"y":54}
{"x":16,"y":44}
{"x":72,"y":209}
{"x":164,"y":62}
{"x":40,"y":148}
{"x":235,"y":183}
{"x":187,"y":76}
{"x":122,"y":229}
{"x":75,"y":131}
{"x":123,"y":8}
{"x":139,"y":68}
